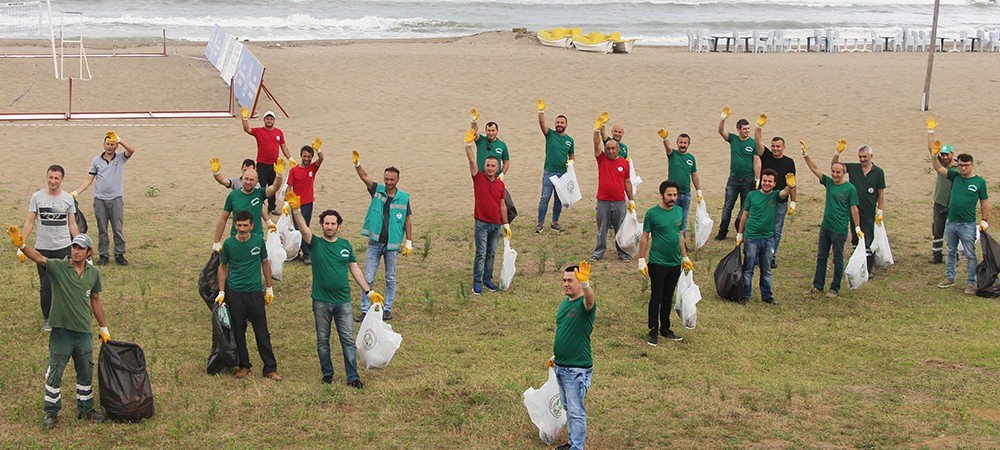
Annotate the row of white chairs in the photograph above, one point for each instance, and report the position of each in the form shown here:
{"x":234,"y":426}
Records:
{"x":830,"y":40}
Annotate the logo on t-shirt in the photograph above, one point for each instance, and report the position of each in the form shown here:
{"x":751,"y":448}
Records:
{"x":310,"y":174}
{"x":748,"y":149}
{"x":690,"y":163}
{"x":345,"y":253}
{"x":871,"y":190}
{"x":569,"y":144}
{"x":399,"y":215}
{"x":87,"y":293}
{"x":621,"y":169}
{"x":973,"y":188}
{"x":277,"y":137}
{"x":255,"y":201}
{"x":255,"y":251}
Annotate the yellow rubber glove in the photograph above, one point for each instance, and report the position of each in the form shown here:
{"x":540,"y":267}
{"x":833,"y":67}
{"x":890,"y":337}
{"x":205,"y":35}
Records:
{"x":857,"y":231}
{"x":506,"y":231}
{"x":878,"y":217}
{"x":271,"y":226}
{"x":73,"y":194}
{"x":582,"y":273}
{"x":643,"y":268}
{"x":244,"y":113}
{"x":269,"y":296}
{"x":113,"y":137}
{"x":216,"y":165}
{"x":551,"y":363}
{"x":761,"y":120}
{"x":686,"y":264}
{"x":104,"y":334}
{"x":15,"y":236}
{"x":805,"y":151}
{"x":931,"y":124}
{"x":500,"y":176}
{"x":598,"y":124}
{"x":725,"y":113}
{"x":407,"y":247}
{"x":355,"y":158}
{"x":569,"y":162}
{"x":375,"y":297}
{"x":983,"y":225}
{"x":217,"y":247}
{"x":220,"y":298}
{"x":790,"y":180}
{"x":604,"y":117}
{"x":541,"y":105}
{"x":936,"y":148}
{"x":293,"y":200}
{"x":21,"y":257}
{"x":279,"y":166}
{"x":630,"y":206}
{"x":470,"y":136}
{"x":841,"y":145}
{"x":317,"y":144}
{"x":292,"y":163}
{"x":739,"y":238}
{"x":663,"y":134}
{"x":475,"y":115}
{"x":286,"y":209}
{"x":791,"y":207}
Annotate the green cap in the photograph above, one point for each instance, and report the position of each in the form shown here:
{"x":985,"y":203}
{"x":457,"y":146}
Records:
{"x":946,"y":148}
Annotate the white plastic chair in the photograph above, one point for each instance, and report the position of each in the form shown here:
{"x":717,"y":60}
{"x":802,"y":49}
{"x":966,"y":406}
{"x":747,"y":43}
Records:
{"x":737,"y":42}
{"x":959,"y":44}
{"x":691,"y":40}
{"x":759,"y":45}
{"x":818,"y":39}
{"x":704,"y":39}
{"x":832,"y":43}
{"x":799,"y":44}
{"x":876,"y":45}
{"x":994,"y":41}
{"x":981,"y":35}
{"x":899,"y":41}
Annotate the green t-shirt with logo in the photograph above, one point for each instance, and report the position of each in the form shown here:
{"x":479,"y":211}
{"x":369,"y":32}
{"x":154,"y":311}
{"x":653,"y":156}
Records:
{"x":664,"y":227}
{"x":557,"y":151}
{"x":762,"y":208}
{"x":622,"y":148}
{"x":741,"y":155}
{"x":71,"y":294}
{"x":486,"y":148}
{"x":331,"y":269}
{"x":244,"y":261}
{"x":965,"y":196}
{"x":680,"y":166}
{"x":573,"y":327}
{"x":839,"y":200}
{"x":241,"y":201}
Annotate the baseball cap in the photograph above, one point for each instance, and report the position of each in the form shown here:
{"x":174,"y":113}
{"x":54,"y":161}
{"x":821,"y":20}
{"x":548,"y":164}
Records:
{"x":269,"y":113}
{"x":946,"y":148}
{"x":83,"y":241}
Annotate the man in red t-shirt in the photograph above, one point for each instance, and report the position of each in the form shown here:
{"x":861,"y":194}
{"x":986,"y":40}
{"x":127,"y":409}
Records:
{"x":269,"y":140}
{"x":490,"y":213}
{"x":300,"y":181}
{"x":614,"y":183}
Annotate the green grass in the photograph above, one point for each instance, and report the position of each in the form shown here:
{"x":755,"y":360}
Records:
{"x":897,"y":363}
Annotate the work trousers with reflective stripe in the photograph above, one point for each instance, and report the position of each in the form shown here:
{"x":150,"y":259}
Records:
{"x":937,"y":231}
{"x":64,"y":344}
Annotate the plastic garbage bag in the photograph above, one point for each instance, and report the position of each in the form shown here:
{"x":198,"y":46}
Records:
{"x":629,"y":234}
{"x":275,"y":254}
{"x":81,"y":220}
{"x":857,"y":267}
{"x":880,"y":246}
{"x":729,"y":275}
{"x":961,"y":249}
{"x":376,"y":341}
{"x":703,"y":226}
{"x":223,"y":354}
{"x":686,"y":299}
{"x":987,"y":284}
{"x":208,"y":281}
{"x":507,"y":269}
{"x":567,"y":187}
{"x":126,"y":392}
{"x":511,"y":209}
{"x":546,"y":409}
{"x":291,"y":239}
{"x":634,"y":177}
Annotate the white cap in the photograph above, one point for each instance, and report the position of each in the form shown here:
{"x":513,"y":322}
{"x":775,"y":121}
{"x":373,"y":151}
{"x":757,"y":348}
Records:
{"x":269,"y":113}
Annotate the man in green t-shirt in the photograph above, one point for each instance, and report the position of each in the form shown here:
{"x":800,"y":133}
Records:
{"x":573,"y":360}
{"x":744,"y":165}
{"x":841,"y":200}
{"x":332,"y":259}
{"x":490,"y":145}
{"x":559,"y":149}
{"x":249,"y":198}
{"x":967,"y":191}
{"x":242,"y":259}
{"x":76,"y":295}
{"x":869,"y":180}
{"x":663,"y":236}
{"x":617,"y":133}
{"x":757,"y":222}
{"x":682,"y":169}
{"x":942,"y":194}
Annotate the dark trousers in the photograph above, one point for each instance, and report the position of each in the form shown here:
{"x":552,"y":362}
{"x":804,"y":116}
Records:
{"x":307,"y":214}
{"x":265,"y":176}
{"x":662,"y":282}
{"x":44,"y":286}
{"x":868,"y":228}
{"x":244,"y":306}
{"x":937,"y":231}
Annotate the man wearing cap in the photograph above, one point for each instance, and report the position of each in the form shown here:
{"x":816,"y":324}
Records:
{"x":51,"y":212}
{"x":942,"y":195}
{"x":108,"y":169}
{"x":76,"y":295}
{"x":269,"y":140}
{"x":869,"y":180}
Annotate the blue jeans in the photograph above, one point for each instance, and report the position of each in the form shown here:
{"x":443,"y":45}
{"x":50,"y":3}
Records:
{"x":757,"y":252}
{"x":734,"y":187}
{"x":548,"y":191}
{"x":684,"y":201}
{"x":829,"y":239}
{"x":573,"y":385}
{"x":966,"y":233}
{"x":343,"y":316}
{"x":487,"y":236}
{"x":376,"y":251}
{"x":779,"y":225}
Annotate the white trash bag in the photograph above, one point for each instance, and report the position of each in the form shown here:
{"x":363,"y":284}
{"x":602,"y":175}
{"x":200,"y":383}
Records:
{"x":376,"y":342}
{"x":546,"y":409}
{"x":275,"y":254}
{"x":567,"y":187}
{"x":291,"y":239}
{"x":960,"y":249}
{"x":634,"y":177}
{"x":704,"y":225}
{"x":686,"y":298}
{"x":629,"y":234}
{"x":880,"y":246}
{"x":507,"y":269}
{"x":857,"y":267}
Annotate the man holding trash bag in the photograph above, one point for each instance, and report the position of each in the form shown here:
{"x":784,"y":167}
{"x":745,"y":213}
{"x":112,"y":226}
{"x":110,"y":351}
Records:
{"x":76,"y":295}
{"x":663,"y":236}
{"x":774,"y":158}
{"x":614,"y":184}
{"x":490,"y":216}
{"x":573,"y":358}
{"x":942,"y":194}
{"x":744,"y":164}
{"x":757,"y":224}
{"x":682,"y":169}
{"x":841,"y":199}
{"x":869,"y":180}
{"x":559,"y":149}
{"x":332,"y":258}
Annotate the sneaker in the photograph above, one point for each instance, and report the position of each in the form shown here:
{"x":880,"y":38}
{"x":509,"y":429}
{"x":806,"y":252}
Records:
{"x":538,"y":228}
{"x":625,"y":258}
{"x":120,"y":260}
{"x":327,"y":380}
{"x":652,"y":340}
{"x":555,"y":227}
{"x":46,"y":326}
{"x":477,"y":288}
{"x":832,"y":294}
{"x":489,"y":285}
{"x":361,"y":317}
{"x":566,"y":446}
{"x":970,"y":289}
{"x":743,"y":301}
{"x":721,"y":236}
{"x":307,"y":261}
{"x":242,"y":372}
{"x":91,"y":416}
{"x":812,"y":290}
{"x":771,"y":301}
{"x":946,"y":283}
{"x":103,"y":260}
{"x":273,"y":376}
{"x":937,"y":260}
{"x":774,"y":263}
{"x":596,"y":258}
{"x":387,"y":316}
{"x":356,"y":384}
{"x":49,"y":421}
{"x":670,"y":335}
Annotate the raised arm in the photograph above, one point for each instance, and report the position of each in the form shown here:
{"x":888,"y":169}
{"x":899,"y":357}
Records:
{"x":541,"y":116}
{"x":666,"y":144}
{"x":473,"y":167}
{"x":295,"y":202}
{"x":758,"y":137}
{"x":244,"y":115}
{"x":598,"y":143}
{"x":722,"y":123}
{"x":279,"y":177}
{"x":356,"y":157}
{"x":809,"y":161}
{"x":129,"y":150}
{"x":935,"y":161}
{"x":17,"y":239}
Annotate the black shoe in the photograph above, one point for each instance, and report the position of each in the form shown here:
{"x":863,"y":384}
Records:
{"x":49,"y":422}
{"x":721,"y":236}
{"x":743,"y":301}
{"x":120,"y":260}
{"x":361,"y":317}
{"x":356,"y":384}
{"x":771,"y":301}
{"x":387,"y":316}
{"x":937,"y":260}
{"x":670,"y":335}
{"x":327,"y":379}
{"x":774,"y":263}
{"x":103,"y":261}
{"x":565,"y":446}
{"x":92,"y":416}
{"x":307,"y":260}
{"x":652,"y":340}
{"x":555,"y":227}
{"x":538,"y":229}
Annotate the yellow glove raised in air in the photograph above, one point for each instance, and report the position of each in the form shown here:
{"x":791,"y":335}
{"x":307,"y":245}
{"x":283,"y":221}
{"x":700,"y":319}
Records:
{"x":790,"y":180}
{"x":355,"y":158}
{"x":540,"y":103}
{"x":878,"y":217}
{"x":475,"y":115}
{"x":112,"y":137}
{"x":104,"y":334}
{"x":582,"y":273}
{"x":279,"y":166}
{"x":375,"y":297}
{"x":506,"y":231}
{"x":293,"y":200}
{"x":630,"y":206}
{"x":857,"y":231}
{"x":805,"y":150}
{"x":244,"y":113}
{"x":598,"y":124}
{"x":220,"y":298}
{"x":663,"y":134}
{"x":216,"y":165}
{"x":687,"y":265}
{"x":841,"y":145}
{"x":643,"y":268}
{"x":21,"y":257}
{"x":317,"y":144}
{"x":269,"y":296}
{"x":791,"y":207}
{"x":470,"y":136}
{"x":761,"y":120}
{"x":725,"y":113}
{"x":931,"y":124}
{"x":936,"y":148}
{"x":15,"y":236}
{"x":604,"y":117}
{"x":407,"y":247}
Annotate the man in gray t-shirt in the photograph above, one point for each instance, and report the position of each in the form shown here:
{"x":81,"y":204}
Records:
{"x":108,"y":169}
{"x":51,"y":214}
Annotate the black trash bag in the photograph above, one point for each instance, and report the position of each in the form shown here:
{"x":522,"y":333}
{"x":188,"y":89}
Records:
{"x":987,"y":284}
{"x":511,"y":210}
{"x":223,"y":354}
{"x":81,"y":220}
{"x":126,"y":393}
{"x":208,"y":281}
{"x":729,"y":275}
